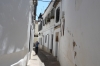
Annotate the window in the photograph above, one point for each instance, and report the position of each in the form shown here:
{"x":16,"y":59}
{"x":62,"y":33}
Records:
{"x":49,"y":15}
{"x":52,"y":14}
{"x":41,"y":41}
{"x":57,"y":14}
{"x":35,"y":35}
{"x":63,"y":27}
{"x":48,"y":39}
{"x":56,"y":37}
{"x":43,"y":22}
{"x":48,"y":18}
{"x":45,"y":38}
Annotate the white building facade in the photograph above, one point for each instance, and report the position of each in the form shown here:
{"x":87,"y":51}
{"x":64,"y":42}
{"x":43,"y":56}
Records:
{"x":75,"y":32}
{"x":46,"y":33}
{"x":36,"y":31}
{"x":79,"y":45}
{"x":16,"y":32}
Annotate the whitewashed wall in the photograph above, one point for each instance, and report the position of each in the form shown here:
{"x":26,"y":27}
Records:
{"x":45,"y":33}
{"x":55,"y":45}
{"x":36,"y":28}
{"x":48,"y":28}
{"x":82,"y":26}
{"x":15,"y":21}
{"x":36,"y":32}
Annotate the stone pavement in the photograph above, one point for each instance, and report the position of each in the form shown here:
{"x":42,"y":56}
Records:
{"x":35,"y":61}
{"x":47,"y":58}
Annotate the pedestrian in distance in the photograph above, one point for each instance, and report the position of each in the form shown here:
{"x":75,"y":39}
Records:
{"x":36,"y":47}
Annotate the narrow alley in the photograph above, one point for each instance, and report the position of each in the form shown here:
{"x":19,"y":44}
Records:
{"x":63,"y":32}
{"x":35,"y":60}
{"x":48,"y":59}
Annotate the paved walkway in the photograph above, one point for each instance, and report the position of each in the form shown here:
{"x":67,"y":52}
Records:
{"x":47,"y":58}
{"x":35,"y":61}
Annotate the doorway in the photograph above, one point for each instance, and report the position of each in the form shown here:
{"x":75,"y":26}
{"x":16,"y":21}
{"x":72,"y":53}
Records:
{"x":43,"y":42}
{"x":51,"y":43}
{"x":56,"y":44}
{"x":48,"y":40}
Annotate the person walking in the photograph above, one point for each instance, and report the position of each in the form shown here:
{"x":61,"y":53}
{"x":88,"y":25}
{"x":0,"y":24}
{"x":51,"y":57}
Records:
{"x":36,"y":47}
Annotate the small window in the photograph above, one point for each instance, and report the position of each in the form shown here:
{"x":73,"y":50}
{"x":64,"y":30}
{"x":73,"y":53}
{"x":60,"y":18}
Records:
{"x":63,"y":27}
{"x":56,"y":37}
{"x":49,"y":15}
{"x":41,"y":41}
{"x":52,"y":13}
{"x":48,"y":39}
{"x":57,"y":14}
{"x":48,"y":18}
{"x":43,"y":22}
{"x":45,"y":38}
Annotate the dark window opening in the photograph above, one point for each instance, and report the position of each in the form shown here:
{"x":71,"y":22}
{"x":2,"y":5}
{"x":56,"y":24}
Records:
{"x":45,"y":38}
{"x":43,"y":22}
{"x":52,"y":14}
{"x":57,"y":14}
{"x":35,"y":35}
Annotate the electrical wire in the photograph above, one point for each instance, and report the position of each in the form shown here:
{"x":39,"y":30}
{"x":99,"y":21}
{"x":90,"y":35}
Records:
{"x":46,"y":1}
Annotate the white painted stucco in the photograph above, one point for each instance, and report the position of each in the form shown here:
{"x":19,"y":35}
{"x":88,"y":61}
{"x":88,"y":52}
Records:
{"x":36,"y":28}
{"x":55,"y":44}
{"x":15,"y":22}
{"x":47,"y":30}
{"x":36,"y":31}
{"x":81,"y":41}
{"x":82,"y":26}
